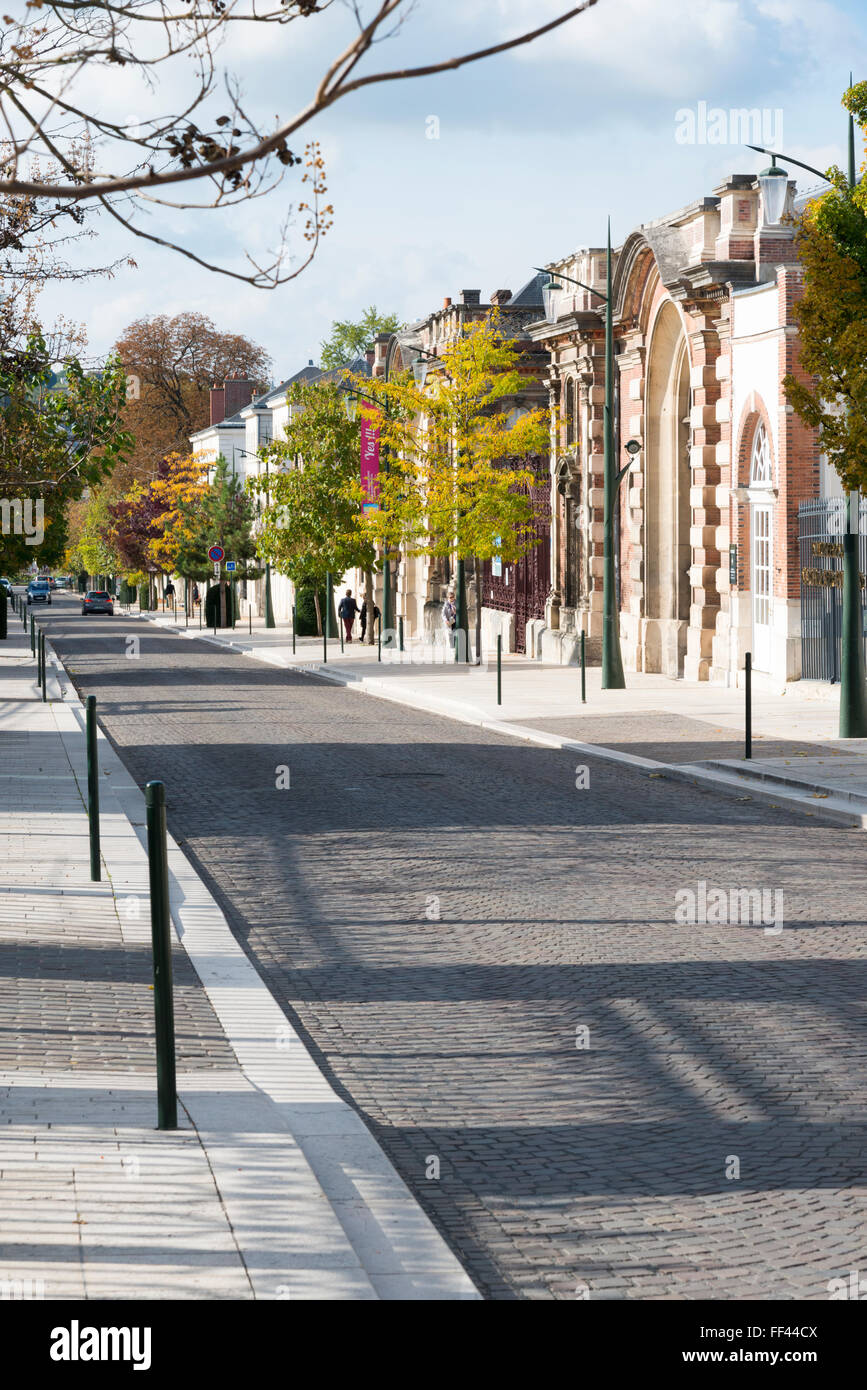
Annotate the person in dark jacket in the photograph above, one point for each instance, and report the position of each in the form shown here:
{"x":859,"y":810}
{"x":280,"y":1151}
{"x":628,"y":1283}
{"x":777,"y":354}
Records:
{"x":347,"y":610}
{"x":364,"y":618}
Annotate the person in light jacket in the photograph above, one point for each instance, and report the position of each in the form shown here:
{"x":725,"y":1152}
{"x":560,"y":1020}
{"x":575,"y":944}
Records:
{"x":450,"y":616}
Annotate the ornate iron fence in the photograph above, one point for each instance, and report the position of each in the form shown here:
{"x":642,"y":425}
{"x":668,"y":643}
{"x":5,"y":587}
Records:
{"x":821,"y":523}
{"x":522,"y":588}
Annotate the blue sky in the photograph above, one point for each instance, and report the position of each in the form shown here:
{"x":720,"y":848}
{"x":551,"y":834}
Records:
{"x":534,"y":150}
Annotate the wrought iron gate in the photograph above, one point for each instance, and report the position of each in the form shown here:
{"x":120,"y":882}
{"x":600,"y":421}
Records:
{"x":821,"y":524}
{"x":522,"y":588}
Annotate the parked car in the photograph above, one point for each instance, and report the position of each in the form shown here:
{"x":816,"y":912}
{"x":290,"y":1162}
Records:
{"x":39,"y":591}
{"x":97,"y":601}
{"x":7,"y":585}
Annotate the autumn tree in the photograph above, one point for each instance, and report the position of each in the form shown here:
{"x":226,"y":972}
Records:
{"x":832,"y":318}
{"x":199,"y":146}
{"x":172,"y":363}
{"x":349,"y":340}
{"x":91,"y":549}
{"x":311,"y":524}
{"x":459,"y":463}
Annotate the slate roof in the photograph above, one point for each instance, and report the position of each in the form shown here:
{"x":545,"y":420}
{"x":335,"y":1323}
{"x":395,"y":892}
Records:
{"x":530,"y":296}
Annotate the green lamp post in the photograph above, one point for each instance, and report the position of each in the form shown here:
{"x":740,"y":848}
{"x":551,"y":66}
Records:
{"x":269,"y":607}
{"x":352,"y":397}
{"x":853,"y":675}
{"x":612,"y":661}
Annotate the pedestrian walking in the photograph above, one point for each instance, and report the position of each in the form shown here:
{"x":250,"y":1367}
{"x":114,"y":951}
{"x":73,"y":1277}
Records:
{"x":168,"y":593}
{"x":347,"y":610}
{"x":450,"y":617}
{"x":195,"y":594}
{"x":363,"y":611}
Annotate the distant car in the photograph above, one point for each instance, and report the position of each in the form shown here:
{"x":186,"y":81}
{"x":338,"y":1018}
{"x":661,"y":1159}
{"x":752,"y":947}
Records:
{"x":97,"y":601}
{"x":62,"y":582}
{"x":52,"y":583}
{"x":39,"y":591}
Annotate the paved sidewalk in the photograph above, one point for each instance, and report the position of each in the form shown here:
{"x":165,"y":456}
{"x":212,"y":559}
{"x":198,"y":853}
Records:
{"x":272,"y":1187}
{"x":684,"y":729}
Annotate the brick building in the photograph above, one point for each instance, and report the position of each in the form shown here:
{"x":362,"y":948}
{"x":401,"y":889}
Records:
{"x":707,"y":527}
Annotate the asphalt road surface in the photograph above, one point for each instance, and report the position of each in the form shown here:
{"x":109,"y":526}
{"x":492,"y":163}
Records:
{"x":586,"y":1094}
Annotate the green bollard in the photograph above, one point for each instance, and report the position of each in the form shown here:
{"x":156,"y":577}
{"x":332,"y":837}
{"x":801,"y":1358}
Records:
{"x":499,"y":668}
{"x":43,"y":678}
{"x":93,"y":789}
{"x":325,"y":643}
{"x":32,"y":635}
{"x":164,"y":1013}
{"x":294,"y":625}
{"x":748,"y":710}
{"x":583,"y":673}
{"x":400,"y":632}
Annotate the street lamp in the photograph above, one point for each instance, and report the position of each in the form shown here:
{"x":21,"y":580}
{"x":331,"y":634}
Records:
{"x":351,"y":397}
{"x":612,"y":661}
{"x":853,"y":675}
{"x":269,"y":607}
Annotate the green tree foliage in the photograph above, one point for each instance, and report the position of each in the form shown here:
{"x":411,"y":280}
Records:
{"x":348,"y":340}
{"x":311,"y":525}
{"x":222,"y":514}
{"x":60,"y":433}
{"x":830,"y":391}
{"x":457,"y":476}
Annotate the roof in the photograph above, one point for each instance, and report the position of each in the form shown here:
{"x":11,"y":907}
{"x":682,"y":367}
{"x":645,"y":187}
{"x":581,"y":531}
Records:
{"x":359,"y":366}
{"x":231,"y":422}
{"x":270,"y":398}
{"x":530,"y":296}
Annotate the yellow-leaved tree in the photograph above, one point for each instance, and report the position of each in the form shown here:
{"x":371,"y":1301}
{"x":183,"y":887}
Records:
{"x":457,"y":455}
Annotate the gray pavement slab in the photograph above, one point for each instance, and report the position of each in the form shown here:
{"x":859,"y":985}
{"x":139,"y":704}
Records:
{"x":94,"y":1201}
{"x":440,"y":911}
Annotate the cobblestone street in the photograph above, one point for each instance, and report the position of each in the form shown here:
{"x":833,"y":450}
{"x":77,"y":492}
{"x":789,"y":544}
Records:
{"x":482,"y":951}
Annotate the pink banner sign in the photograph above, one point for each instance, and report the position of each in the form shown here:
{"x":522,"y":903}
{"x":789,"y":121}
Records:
{"x":370,"y":460}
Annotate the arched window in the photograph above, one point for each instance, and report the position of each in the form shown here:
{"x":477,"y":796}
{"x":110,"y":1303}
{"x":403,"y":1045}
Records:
{"x":570,"y":412}
{"x":760,"y":459}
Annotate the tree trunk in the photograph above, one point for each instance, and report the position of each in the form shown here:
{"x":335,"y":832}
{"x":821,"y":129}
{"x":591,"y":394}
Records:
{"x":223,"y":622}
{"x":318,"y":608}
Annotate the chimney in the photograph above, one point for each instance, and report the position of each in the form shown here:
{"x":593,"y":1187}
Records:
{"x":218,"y":404}
{"x":470,"y":296}
{"x":371,"y":356}
{"x":501,"y":296}
{"x":447,"y":303}
{"x":238,"y":393}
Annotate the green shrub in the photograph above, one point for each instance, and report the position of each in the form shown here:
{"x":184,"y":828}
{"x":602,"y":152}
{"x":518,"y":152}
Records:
{"x":212,"y":606}
{"x":306,"y":611}
{"x":143,"y":602}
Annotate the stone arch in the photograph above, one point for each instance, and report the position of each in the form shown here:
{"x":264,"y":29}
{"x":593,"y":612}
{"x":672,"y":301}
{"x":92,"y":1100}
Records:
{"x":667,"y":551}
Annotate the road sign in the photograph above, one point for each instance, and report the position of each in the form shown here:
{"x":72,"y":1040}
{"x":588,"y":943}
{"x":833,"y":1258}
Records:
{"x":217,"y":569}
{"x":216,"y":553}
{"x":231,"y":565}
